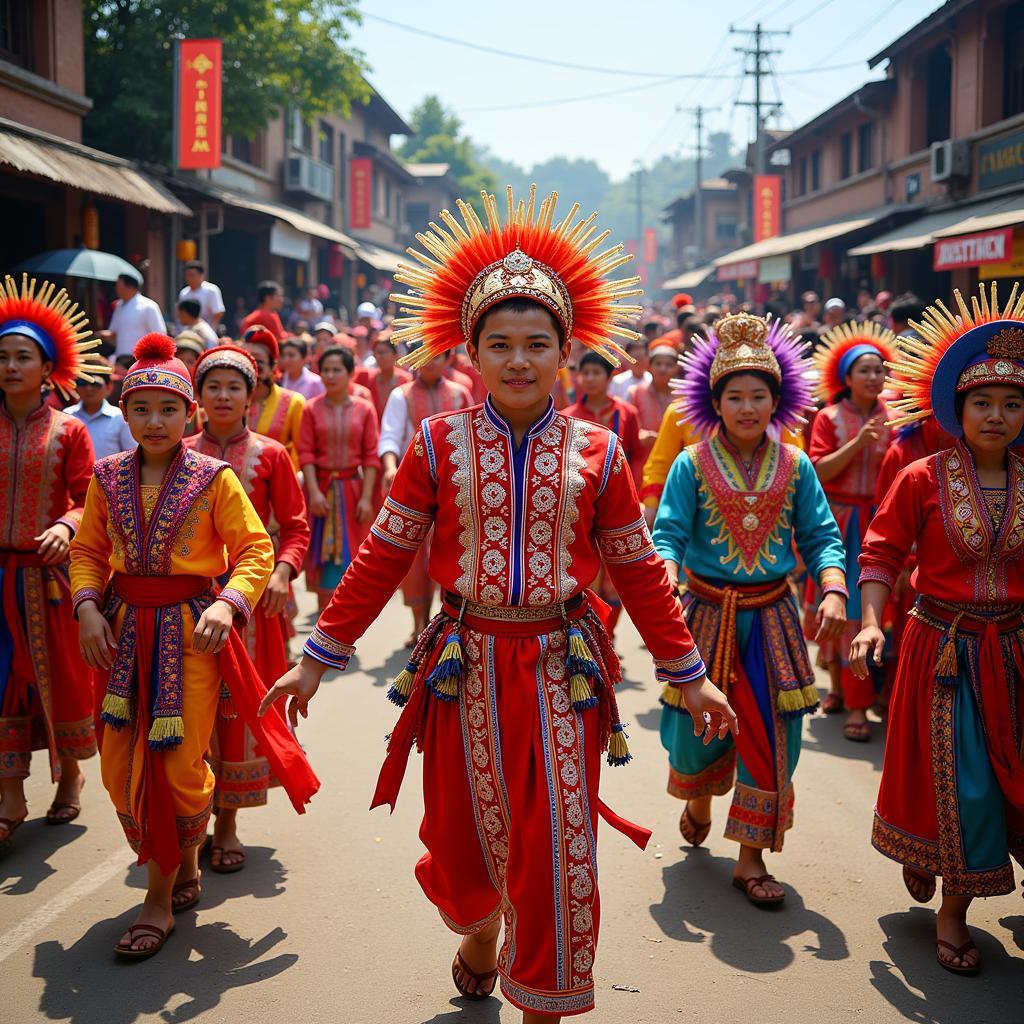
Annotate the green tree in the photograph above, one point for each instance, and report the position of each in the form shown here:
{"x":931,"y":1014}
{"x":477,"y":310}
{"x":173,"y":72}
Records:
{"x":437,"y":139}
{"x":277,"y":54}
{"x":576,"y":181}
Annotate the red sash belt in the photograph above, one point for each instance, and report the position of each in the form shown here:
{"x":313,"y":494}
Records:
{"x":22,"y":668}
{"x":146,"y":594}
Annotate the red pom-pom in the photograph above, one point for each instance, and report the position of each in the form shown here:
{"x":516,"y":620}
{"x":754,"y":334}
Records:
{"x":682,"y":299}
{"x":155,"y":347}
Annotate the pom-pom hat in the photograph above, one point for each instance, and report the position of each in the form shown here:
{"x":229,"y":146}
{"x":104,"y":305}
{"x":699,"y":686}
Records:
{"x":981,"y":344}
{"x":227,"y":357}
{"x":157,"y":366}
{"x":471,"y":266}
{"x":743,"y":343}
{"x":56,"y":325}
{"x":260,"y":335}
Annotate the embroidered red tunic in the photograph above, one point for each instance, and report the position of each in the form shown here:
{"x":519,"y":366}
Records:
{"x":379,"y":386}
{"x":621,"y":419}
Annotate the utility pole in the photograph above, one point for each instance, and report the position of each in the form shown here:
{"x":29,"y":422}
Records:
{"x":698,"y":194}
{"x":758,"y":72}
{"x":639,"y":172}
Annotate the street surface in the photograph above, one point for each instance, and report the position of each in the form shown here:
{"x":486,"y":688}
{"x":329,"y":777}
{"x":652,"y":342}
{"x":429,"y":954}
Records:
{"x":326,"y":922}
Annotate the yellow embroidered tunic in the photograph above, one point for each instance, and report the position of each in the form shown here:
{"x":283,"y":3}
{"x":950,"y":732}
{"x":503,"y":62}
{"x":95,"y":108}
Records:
{"x":279,"y":416}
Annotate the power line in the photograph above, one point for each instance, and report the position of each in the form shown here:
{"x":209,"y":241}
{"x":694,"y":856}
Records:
{"x":758,"y":72}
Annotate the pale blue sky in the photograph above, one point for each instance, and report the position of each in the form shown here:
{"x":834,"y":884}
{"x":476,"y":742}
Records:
{"x":664,"y":37}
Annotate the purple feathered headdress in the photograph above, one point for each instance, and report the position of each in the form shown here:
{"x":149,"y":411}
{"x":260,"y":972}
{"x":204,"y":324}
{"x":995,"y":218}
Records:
{"x":694,"y":390}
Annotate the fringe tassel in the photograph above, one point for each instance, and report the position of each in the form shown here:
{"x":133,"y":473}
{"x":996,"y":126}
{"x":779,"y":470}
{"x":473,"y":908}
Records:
{"x":618,"y":749}
{"x":115,"y":710}
{"x":584,"y":670}
{"x":227,"y":708}
{"x":793,"y":703}
{"x":401,"y":689}
{"x":167,"y":731}
{"x":444,"y":679}
{"x":53,"y":594}
{"x":946,"y":667}
{"x":672,"y":697}
{"x":581,"y":693}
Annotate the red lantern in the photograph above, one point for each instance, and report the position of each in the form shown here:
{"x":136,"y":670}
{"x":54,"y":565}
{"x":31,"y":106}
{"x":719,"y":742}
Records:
{"x":879,"y":264}
{"x":826,"y":264}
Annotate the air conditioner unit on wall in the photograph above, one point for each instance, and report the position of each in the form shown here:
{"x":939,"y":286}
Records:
{"x":951,"y":160}
{"x":309,"y":176}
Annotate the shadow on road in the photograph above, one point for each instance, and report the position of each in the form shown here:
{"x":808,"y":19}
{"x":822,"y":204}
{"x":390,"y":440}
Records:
{"x":86,"y":983}
{"x":825,"y":733}
{"x":700,"y":905}
{"x":26,"y":867}
{"x":263,"y":878}
{"x":921,"y":991}
{"x":469,"y":1011}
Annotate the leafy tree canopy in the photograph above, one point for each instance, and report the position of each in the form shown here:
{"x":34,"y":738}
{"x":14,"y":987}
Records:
{"x":277,"y":54}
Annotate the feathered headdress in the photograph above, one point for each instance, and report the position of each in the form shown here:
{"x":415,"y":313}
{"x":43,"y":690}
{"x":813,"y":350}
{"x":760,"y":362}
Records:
{"x":842,"y":346}
{"x":981,"y":345}
{"x":471,"y":266}
{"x":56,"y":325}
{"x":737,"y":343}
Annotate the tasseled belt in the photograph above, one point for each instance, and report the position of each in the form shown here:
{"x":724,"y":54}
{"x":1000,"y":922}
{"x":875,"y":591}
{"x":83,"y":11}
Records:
{"x":586,"y":689}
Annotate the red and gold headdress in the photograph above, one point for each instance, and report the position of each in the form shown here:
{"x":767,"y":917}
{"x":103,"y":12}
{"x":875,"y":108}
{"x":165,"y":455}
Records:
{"x":471,"y":266}
{"x":157,"y":366}
{"x":979,"y":345}
{"x":841,"y":347}
{"x":226,"y":357}
{"x":56,"y":325}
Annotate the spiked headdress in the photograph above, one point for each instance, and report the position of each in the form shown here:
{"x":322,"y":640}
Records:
{"x":842,"y":346}
{"x":470,"y":266}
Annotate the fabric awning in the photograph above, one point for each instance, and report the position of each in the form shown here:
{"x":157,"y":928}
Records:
{"x":90,"y":170}
{"x":295,"y":218}
{"x":997,"y":213}
{"x":781,"y":245}
{"x":380,"y":259}
{"x":690,"y":279}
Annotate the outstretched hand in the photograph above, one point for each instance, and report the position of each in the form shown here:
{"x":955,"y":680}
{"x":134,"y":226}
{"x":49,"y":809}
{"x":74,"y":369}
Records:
{"x":301,"y":684}
{"x":869,"y":641}
{"x":711,"y":713}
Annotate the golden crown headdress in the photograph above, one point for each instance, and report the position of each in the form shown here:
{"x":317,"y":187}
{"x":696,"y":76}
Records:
{"x":469,"y":266}
{"x":742,"y":345}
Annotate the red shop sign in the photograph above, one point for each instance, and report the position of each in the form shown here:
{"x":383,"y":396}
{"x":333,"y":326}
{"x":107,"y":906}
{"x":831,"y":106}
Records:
{"x":745,"y":271}
{"x":360,"y":177}
{"x":197,"y":104}
{"x":973,"y":250}
{"x":767,"y":206}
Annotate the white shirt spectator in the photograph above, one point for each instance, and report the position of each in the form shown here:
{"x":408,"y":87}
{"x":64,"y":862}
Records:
{"x":620,"y":384}
{"x":209,"y":298}
{"x":107,"y":428}
{"x":396,"y":430}
{"x":131,"y":319}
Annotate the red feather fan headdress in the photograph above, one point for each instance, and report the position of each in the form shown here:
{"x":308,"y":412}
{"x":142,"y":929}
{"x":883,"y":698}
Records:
{"x":56,"y":325}
{"x":471,"y":266}
{"x":841,"y":347}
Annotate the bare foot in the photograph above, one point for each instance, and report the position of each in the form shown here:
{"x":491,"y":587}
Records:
{"x":155,"y":916}
{"x":480,"y":954}
{"x":226,"y":848}
{"x":953,"y":929}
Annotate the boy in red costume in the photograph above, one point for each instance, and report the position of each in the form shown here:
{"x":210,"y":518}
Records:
{"x":509,"y":689}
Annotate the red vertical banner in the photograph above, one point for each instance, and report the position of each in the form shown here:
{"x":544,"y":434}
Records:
{"x":360,"y":197}
{"x":767,"y":206}
{"x":198,"y":104}
{"x":650,"y":246}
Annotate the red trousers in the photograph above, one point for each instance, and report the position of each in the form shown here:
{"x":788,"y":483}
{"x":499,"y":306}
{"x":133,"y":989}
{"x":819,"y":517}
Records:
{"x":510,"y":779}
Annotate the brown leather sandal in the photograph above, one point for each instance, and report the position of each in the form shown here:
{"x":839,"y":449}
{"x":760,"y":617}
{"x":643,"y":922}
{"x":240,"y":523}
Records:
{"x":460,"y":965}
{"x":693,"y":831}
{"x":192,"y":883}
{"x":959,"y":952}
{"x":831,"y":704}
{"x":12,"y":825}
{"x":747,"y":885}
{"x":857,"y":732}
{"x":220,"y":867}
{"x":137,"y":931}
{"x":55,"y":808}
{"x":921,"y":881}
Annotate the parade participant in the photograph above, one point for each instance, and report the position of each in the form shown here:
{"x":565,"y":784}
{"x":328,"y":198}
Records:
{"x":295,"y":374}
{"x":45,"y":461}
{"x":225,"y":379}
{"x":160,"y":525}
{"x":428,"y":394}
{"x":652,"y":398}
{"x":460,"y":369}
{"x":274,"y":412}
{"x":951,"y":799}
{"x":525,"y":503}
{"x":849,"y":438}
{"x":385,"y":377}
{"x":636,"y":373}
{"x":733,"y":509}
{"x":338,"y":454}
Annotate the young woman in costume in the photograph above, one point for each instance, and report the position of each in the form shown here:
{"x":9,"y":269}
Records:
{"x":951,"y":799}
{"x":225,"y":378}
{"x":46,"y":459}
{"x":338,"y":453}
{"x":160,"y":525}
{"x":732,"y":510}
{"x":509,"y":691}
{"x":849,"y":438}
